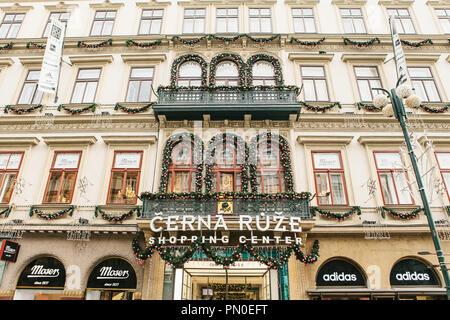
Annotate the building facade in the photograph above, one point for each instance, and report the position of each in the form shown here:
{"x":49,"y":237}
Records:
{"x":229,"y":120}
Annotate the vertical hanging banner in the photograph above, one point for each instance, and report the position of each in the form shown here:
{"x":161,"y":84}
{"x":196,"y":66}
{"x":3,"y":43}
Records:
{"x":51,"y":64}
{"x":399,"y":56}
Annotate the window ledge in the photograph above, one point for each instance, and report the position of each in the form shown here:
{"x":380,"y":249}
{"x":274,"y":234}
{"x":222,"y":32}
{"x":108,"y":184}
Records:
{"x":324,"y":139}
{"x":6,"y":62}
{"x":374,"y":57}
{"x":420,"y":57}
{"x":125,"y":140}
{"x":91,"y":59}
{"x":71,"y":140}
{"x":381,"y":140}
{"x":18,"y":141}
{"x":143,"y":58}
{"x":31,"y":62}
{"x":310,"y":57}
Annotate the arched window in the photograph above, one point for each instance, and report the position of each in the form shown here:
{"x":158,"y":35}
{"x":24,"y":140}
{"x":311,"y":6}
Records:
{"x":227,"y":74}
{"x":263,"y":74}
{"x":227,"y":171}
{"x":189,"y":74}
{"x":269,"y":171}
{"x":182,"y":172}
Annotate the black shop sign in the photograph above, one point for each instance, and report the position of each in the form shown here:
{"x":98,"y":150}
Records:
{"x":113,"y":274}
{"x":337,"y":273}
{"x":9,"y":251}
{"x":410,"y":272}
{"x":44,"y":272}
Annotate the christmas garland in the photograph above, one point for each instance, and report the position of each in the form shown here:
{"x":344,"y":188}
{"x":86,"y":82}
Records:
{"x":229,"y":88}
{"x":77,"y":111}
{"x":336,"y":216}
{"x":403,"y":216}
{"x":417,"y":44}
{"x":51,"y":216}
{"x":7,"y":46}
{"x":265,"y":57}
{"x":242,"y":67}
{"x":435,"y":110}
{"x":321,"y":109}
{"x":189,"y":42}
{"x":198,"y":147}
{"x":36,"y":45}
{"x":130,"y":42}
{"x":368,"y":107}
{"x":284,"y":153}
{"x":23,"y":110}
{"x":228,"y":195}
{"x":187,"y":57}
{"x":118,"y":106}
{"x":241,"y":154}
{"x":307,"y":43}
{"x":226,"y":39}
{"x":82,"y":44}
{"x":168,"y":254}
{"x":6,"y":212}
{"x":361,"y":43}
{"x":116,"y":219}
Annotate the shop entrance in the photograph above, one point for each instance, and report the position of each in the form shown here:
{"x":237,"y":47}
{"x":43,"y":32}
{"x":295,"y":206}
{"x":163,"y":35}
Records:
{"x":201,"y":280}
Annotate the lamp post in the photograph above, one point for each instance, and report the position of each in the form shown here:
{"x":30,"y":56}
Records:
{"x":398,"y":110}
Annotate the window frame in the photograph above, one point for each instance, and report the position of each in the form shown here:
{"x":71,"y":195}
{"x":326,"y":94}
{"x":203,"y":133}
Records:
{"x":140,"y":83}
{"x":315,"y":78}
{"x":85,"y":80}
{"x":264,"y":78}
{"x":35,"y":90}
{"x":63,"y":170}
{"x":227,"y":79}
{"x":59,"y":19}
{"x":259,"y":19}
{"x":328,"y":172}
{"x":151,"y":20}
{"x":352,"y":18}
{"x":190,"y":169}
{"x":443,"y":170}
{"x":357,"y":78}
{"x":235,"y":170}
{"x":401,"y":18}
{"x":189,"y":78}
{"x":279,"y":169}
{"x":194,"y":18}
{"x":125,"y":170}
{"x":392,"y":171}
{"x":3,"y":172}
{"x":227,"y":17}
{"x":425,"y":79}
{"x":302,"y":18}
{"x":11,"y":23}
{"x":439,"y":18}
{"x":103,"y":24}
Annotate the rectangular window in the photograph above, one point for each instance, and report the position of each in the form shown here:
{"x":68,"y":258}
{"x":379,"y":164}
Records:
{"x":303,"y":19}
{"x":403,"y":21}
{"x":423,"y":83}
{"x":444,"y":19}
{"x":125,"y":174}
{"x":392,"y":178}
{"x":140,"y":85}
{"x":314,"y":83}
{"x":9,"y":169}
{"x":260,"y":20}
{"x":194,"y":21}
{"x":11,"y":25}
{"x":443,"y":159}
{"x":353,"y":20}
{"x":30,"y":93}
{"x":227,"y":20}
{"x":329,"y":178}
{"x":103,"y":23}
{"x":61,"y":16}
{"x":62,"y":178}
{"x":367,"y":78}
{"x":151,"y":21}
{"x":86,"y":85}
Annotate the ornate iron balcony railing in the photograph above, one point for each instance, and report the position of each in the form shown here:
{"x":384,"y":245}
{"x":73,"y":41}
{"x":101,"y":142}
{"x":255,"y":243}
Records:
{"x":227,"y":96}
{"x":226,"y":207}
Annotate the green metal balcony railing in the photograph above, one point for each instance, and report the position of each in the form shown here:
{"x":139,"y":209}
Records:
{"x":227,"y":96}
{"x":226,"y":207}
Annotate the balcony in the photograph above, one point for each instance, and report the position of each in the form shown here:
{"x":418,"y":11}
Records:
{"x":226,"y":207}
{"x":275,"y":103}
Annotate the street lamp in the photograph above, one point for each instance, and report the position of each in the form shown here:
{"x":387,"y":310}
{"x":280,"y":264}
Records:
{"x":397,"y":109}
